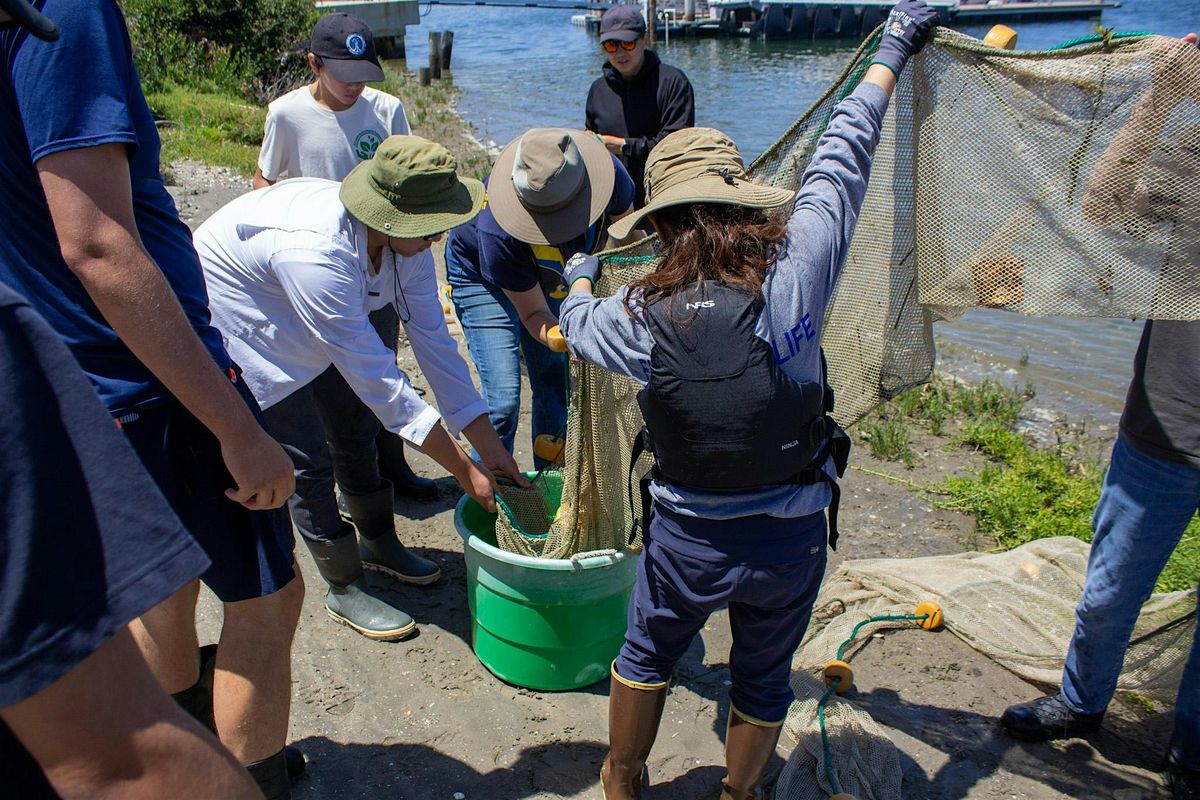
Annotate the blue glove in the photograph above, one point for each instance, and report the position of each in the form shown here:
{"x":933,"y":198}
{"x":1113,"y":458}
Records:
{"x":581,"y":266}
{"x":904,"y":33}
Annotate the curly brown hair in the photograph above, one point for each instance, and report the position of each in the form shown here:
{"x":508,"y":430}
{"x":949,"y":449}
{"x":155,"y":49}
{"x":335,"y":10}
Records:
{"x":712,"y":241}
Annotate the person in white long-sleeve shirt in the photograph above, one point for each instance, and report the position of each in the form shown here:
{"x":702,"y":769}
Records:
{"x":293,"y":271}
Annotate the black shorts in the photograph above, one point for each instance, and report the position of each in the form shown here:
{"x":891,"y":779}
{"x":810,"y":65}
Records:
{"x":251,"y":551}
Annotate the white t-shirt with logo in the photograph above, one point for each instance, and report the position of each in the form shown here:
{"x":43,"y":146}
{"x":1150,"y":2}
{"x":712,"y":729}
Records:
{"x":303,"y":138}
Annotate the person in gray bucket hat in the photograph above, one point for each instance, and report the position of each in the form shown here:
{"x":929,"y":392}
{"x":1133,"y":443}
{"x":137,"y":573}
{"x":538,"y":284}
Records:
{"x":724,"y":335}
{"x":552,"y":192}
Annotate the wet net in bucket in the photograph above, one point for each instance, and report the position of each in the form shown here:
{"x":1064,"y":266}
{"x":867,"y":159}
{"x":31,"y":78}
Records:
{"x":1049,"y":182}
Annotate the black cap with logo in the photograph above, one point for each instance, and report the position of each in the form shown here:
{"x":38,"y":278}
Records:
{"x":623,"y":24}
{"x":346,"y":48}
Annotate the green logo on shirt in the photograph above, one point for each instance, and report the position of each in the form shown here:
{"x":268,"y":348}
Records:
{"x":366,"y":143}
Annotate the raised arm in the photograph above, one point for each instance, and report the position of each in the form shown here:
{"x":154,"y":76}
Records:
{"x":835,"y":182}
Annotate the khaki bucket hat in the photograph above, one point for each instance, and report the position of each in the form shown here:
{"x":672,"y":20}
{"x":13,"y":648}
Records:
{"x":411,"y":189}
{"x":550,"y":184}
{"x":698,"y":165}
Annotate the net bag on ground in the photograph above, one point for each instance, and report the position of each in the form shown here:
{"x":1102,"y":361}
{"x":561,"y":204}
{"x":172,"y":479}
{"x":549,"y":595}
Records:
{"x":1015,"y":608}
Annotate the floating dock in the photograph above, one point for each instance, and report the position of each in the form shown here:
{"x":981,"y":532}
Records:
{"x":838,"y":19}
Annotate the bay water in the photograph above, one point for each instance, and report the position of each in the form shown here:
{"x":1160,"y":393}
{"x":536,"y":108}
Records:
{"x":520,"y":68}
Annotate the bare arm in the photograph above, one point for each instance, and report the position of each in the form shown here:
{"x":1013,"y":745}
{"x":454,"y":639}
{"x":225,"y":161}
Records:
{"x":439,"y":446}
{"x":91,"y":204}
{"x":534,"y":312}
{"x":259,"y":181}
{"x":882,"y":77}
{"x":107,"y":730}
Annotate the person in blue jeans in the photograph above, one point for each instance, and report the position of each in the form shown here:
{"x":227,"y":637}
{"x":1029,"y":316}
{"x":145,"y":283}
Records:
{"x":1150,"y":493}
{"x":725,"y":337}
{"x":552,"y":192}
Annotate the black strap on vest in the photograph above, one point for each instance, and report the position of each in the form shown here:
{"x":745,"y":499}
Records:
{"x":838,"y":448}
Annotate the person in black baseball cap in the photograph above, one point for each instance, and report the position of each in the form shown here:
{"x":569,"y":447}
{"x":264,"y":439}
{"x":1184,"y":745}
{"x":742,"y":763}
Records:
{"x":342,"y":43}
{"x":639,"y":99}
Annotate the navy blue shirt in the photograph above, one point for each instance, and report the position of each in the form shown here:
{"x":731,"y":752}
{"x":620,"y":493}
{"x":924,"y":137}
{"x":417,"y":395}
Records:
{"x":487,"y":252}
{"x":83,"y":91}
{"x":87,"y":541}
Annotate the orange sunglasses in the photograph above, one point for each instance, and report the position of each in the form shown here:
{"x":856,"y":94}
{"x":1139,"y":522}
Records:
{"x":611,"y":45}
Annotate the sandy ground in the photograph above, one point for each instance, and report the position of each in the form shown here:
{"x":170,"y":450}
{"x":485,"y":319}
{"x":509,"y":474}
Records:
{"x":422,"y":719}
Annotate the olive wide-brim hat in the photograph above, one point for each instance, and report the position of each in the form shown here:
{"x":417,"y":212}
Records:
{"x":698,"y":165}
{"x":550,"y":185}
{"x":411,"y":189}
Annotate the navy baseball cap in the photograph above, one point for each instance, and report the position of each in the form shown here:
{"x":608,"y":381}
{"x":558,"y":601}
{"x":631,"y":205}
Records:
{"x":346,"y":48}
{"x":623,"y":24}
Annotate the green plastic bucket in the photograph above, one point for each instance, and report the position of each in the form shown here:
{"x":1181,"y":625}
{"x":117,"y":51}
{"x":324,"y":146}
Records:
{"x":542,"y":623}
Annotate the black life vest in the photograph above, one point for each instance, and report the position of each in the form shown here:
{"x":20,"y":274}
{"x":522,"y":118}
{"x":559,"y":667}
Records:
{"x":720,"y":413}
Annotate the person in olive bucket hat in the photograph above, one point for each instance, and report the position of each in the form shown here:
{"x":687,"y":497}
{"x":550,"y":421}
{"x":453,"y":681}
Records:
{"x":553,"y":192}
{"x":293,"y":270}
{"x":724,"y":335}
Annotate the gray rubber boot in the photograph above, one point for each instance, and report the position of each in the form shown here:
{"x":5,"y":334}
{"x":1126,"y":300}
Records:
{"x":350,"y":600}
{"x":379,"y":547}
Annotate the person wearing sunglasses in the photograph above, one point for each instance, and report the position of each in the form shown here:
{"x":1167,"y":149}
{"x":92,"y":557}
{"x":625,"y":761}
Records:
{"x":639,"y":99}
{"x":293,"y":272}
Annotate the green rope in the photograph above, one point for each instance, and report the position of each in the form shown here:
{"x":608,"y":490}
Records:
{"x":1093,"y":38}
{"x":829,"y":774}
{"x":869,"y":620}
{"x":834,"y":682}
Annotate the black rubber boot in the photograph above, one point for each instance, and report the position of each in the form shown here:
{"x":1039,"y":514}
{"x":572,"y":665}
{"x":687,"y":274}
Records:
{"x":393,"y":465}
{"x":350,"y":600}
{"x":1047,"y":718}
{"x":271,"y":776}
{"x":381,"y":551}
{"x":197,"y":700}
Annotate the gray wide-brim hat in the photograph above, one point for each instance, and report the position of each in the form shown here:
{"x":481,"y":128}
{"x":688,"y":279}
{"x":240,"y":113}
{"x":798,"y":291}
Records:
{"x":698,"y":165}
{"x":549,"y":185}
{"x":411,"y":189}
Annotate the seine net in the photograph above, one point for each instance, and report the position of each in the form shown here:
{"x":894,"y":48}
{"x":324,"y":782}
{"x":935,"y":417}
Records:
{"x":1041,"y":182}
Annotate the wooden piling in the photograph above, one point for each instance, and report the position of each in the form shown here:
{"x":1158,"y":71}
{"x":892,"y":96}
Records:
{"x":447,"y":48}
{"x":435,"y":55}
{"x":423,"y":75}
{"x":651,"y":21}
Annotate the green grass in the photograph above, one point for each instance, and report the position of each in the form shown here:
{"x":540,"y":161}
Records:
{"x":216,"y":129}
{"x":889,"y":438}
{"x":1024,"y":493}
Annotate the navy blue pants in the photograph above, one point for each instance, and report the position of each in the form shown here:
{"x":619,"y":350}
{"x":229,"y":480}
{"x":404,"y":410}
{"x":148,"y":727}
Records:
{"x":766,"y":570}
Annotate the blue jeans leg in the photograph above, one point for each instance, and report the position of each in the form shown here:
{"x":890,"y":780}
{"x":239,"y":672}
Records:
{"x":548,"y":382}
{"x":496,"y":341}
{"x":493,"y":333}
{"x":1145,"y":505}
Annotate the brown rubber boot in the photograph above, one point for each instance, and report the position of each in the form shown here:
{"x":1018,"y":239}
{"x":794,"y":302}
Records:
{"x":633,"y":717}
{"x":748,"y":751}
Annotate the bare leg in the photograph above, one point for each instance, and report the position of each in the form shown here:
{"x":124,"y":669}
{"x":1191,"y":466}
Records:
{"x":166,"y":636}
{"x":252,"y":687}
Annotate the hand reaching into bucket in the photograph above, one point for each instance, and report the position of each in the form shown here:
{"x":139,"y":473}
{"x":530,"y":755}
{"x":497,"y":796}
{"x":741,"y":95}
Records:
{"x":492,"y":454}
